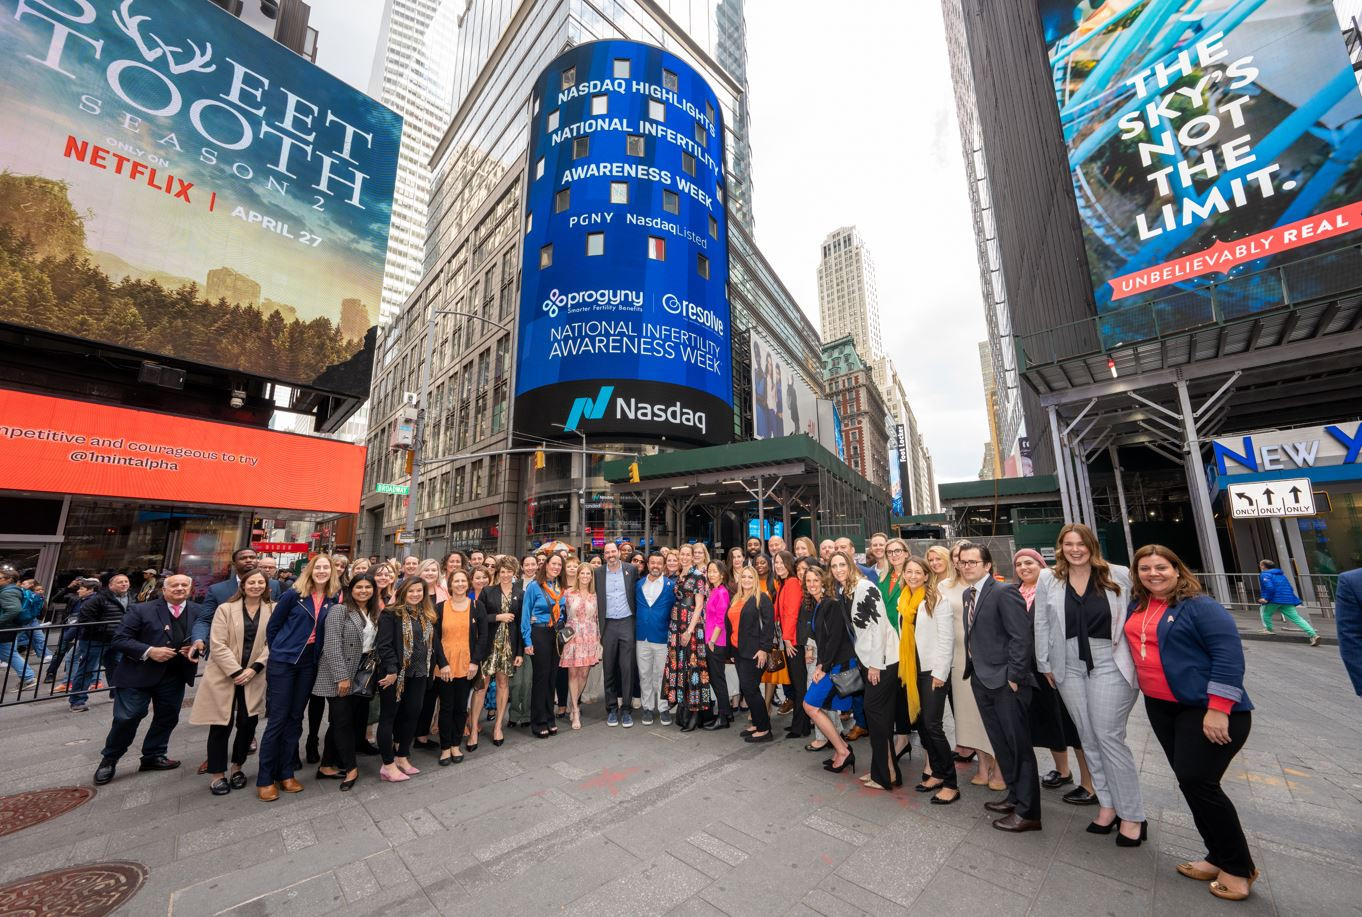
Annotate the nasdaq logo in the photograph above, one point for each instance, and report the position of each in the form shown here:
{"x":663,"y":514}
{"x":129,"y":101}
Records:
{"x":589,"y":409}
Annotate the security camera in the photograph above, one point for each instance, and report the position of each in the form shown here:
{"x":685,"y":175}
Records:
{"x":238,"y":397}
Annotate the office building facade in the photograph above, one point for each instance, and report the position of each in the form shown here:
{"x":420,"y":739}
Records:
{"x":865,"y":432}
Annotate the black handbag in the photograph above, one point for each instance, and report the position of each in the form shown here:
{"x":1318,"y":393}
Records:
{"x":362,"y":684}
{"x":848,"y":682}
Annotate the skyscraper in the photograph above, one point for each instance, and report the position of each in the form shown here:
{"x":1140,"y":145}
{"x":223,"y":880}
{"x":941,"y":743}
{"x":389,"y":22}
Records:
{"x":848,"y":303}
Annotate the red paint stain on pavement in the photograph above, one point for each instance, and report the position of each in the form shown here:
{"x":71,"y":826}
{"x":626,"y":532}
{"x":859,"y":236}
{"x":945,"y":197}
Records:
{"x":608,"y":779}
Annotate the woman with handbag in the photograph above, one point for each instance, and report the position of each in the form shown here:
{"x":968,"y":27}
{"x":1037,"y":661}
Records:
{"x":581,"y":651}
{"x":406,"y":632}
{"x":835,"y":659}
{"x":503,"y":649}
{"x":346,"y":677}
{"x":901,"y":603}
{"x":543,"y":606}
{"x":751,"y":631}
{"x":456,"y":655}
{"x":232,"y":688}
{"x":877,"y":648}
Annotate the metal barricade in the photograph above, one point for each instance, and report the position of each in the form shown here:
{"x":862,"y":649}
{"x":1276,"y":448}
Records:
{"x":52,"y":661}
{"x":1316,"y":590}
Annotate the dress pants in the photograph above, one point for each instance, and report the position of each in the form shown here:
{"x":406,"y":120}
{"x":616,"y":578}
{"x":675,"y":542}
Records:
{"x":749,"y":684}
{"x":560,"y":686}
{"x":165,"y":699}
{"x":931,"y":730}
{"x":316,"y":707}
{"x":545,"y":641}
{"x":1199,"y":764}
{"x":716,"y":660}
{"x":879,"y":714}
{"x":287,"y":689}
{"x":799,"y":683}
{"x":218,"y":734}
{"x":397,"y":717}
{"x":348,"y":717}
{"x":652,"y":663}
{"x":427,"y":715}
{"x":1099,"y":703}
{"x":453,"y":709}
{"x":617,"y":661}
{"x":1008,"y":725}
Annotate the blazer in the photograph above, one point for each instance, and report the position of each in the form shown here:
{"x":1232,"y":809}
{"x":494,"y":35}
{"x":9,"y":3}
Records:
{"x":1201,"y":652}
{"x":1047,"y":621}
{"x":490,"y":605}
{"x":1348,"y":618}
{"x":388,"y":645}
{"x":934,"y":636}
{"x":216,"y":693}
{"x":832,"y":634}
{"x":216,"y":595}
{"x":630,"y":578}
{"x":341,"y":650}
{"x":789,"y":598}
{"x":146,"y":625}
{"x":1000,"y":646}
{"x":437,"y":651}
{"x":756,"y":627}
{"x":292,"y":623}
{"x":877,"y":643}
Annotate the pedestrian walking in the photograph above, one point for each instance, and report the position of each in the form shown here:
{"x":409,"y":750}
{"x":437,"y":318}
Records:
{"x":1277,"y":597}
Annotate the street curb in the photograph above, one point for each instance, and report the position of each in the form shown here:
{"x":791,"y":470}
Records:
{"x":1289,"y":638}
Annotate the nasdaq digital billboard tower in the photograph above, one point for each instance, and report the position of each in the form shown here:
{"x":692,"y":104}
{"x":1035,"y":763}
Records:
{"x":624,"y":316}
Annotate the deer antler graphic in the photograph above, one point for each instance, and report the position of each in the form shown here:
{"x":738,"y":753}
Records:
{"x":131,"y":25}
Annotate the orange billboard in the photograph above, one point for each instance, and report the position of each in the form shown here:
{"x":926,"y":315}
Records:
{"x":55,"y":445}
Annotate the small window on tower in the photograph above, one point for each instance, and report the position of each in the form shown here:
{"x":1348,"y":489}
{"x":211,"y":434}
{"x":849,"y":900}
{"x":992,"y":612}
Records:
{"x":688,"y":164}
{"x":713,"y":228}
{"x":619,"y":192}
{"x":581,"y":147}
{"x":657,"y":249}
{"x":633,"y":145}
{"x":595,"y":243}
{"x":669,"y":80}
{"x":569,"y":77}
{"x":656,"y":110}
{"x":599,"y":104}
{"x":562,"y":200}
{"x":539,"y":168}
{"x":671,"y":202}
{"x":546,"y":256}
{"x":553,"y":120}
{"x":621,"y":68}
{"x":701,"y":135}
{"x":702,"y":266}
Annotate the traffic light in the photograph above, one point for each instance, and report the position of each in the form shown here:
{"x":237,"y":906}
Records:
{"x":410,"y":456}
{"x":539,"y":460}
{"x":633,"y":472}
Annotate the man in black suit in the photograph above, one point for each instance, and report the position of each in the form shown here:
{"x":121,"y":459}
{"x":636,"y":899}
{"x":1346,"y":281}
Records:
{"x":244,"y":562}
{"x":999,"y":649}
{"x":615,"y":603}
{"x":153,"y":640}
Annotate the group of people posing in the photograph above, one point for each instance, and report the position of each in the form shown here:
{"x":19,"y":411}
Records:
{"x":405,"y":656}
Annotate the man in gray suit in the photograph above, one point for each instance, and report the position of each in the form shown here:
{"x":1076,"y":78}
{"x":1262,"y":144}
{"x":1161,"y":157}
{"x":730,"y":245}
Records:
{"x":615,"y":602}
{"x":999,"y":649}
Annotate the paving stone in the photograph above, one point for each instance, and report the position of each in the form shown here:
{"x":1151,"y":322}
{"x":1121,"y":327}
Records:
{"x":952,"y":892}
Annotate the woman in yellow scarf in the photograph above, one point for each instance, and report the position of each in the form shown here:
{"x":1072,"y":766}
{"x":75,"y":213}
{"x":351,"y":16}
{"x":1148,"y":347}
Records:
{"x":902,"y":603}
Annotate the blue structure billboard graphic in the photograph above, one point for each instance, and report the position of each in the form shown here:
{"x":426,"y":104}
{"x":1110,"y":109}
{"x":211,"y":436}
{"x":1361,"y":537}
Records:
{"x":1207,"y":139}
{"x":186,"y":186}
{"x":624,"y":315}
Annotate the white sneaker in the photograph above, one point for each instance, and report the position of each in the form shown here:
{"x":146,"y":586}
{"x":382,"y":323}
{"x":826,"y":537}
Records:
{"x":1314,"y":641}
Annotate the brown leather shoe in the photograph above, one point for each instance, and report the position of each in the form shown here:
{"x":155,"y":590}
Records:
{"x":267,"y":793}
{"x":1002,"y":808}
{"x":786,"y":708}
{"x":1016,"y":824}
{"x":291,"y":785}
{"x":856,"y":732}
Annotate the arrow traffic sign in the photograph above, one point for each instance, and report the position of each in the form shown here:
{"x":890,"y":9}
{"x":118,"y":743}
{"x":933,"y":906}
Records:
{"x":1272,"y":498}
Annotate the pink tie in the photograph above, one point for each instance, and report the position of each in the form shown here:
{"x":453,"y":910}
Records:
{"x":175,"y":611}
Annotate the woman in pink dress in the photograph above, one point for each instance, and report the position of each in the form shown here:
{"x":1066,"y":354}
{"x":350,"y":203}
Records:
{"x":582,"y":651}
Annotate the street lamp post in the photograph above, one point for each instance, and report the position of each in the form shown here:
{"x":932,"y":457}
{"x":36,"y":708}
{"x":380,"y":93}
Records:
{"x":582,"y":510}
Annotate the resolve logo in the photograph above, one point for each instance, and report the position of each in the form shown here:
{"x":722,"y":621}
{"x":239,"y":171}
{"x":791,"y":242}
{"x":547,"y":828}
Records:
{"x":588,"y":408}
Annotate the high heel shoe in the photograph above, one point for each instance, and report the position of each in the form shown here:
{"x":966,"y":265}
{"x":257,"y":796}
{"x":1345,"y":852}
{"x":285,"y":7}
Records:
{"x":966,"y":759}
{"x":1095,"y":828}
{"x":907,"y":750}
{"x":389,"y":778}
{"x":322,"y":775}
{"x":1123,"y":841}
{"x":497,"y":742}
{"x":837,"y":769}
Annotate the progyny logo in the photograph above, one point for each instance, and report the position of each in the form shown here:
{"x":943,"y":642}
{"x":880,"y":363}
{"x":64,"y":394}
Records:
{"x":586,"y":407}
{"x":558,"y":300}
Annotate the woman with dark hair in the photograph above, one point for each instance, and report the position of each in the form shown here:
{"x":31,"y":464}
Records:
{"x":406,"y":633}
{"x":834,"y":652}
{"x":877,"y":649}
{"x":1082,"y":652}
{"x":767,"y":586}
{"x":503,"y":645}
{"x":1190,"y":665}
{"x":232,"y":688}
{"x":901,"y":603}
{"x":716,"y":642}
{"x":543,"y":606}
{"x":457,"y":655}
{"x":351,"y":632}
{"x":789,"y":598}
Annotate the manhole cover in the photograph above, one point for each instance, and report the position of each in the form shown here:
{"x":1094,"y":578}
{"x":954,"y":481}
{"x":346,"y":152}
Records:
{"x":24,"y":810}
{"x":77,"y":891}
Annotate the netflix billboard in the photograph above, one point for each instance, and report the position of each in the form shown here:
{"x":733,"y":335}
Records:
{"x":1205,"y":139}
{"x":174,"y":182}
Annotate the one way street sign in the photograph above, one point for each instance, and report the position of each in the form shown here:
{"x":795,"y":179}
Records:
{"x":1291,"y":497}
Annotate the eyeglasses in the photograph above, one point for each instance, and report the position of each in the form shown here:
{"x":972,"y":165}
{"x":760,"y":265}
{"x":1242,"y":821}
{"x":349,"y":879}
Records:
{"x":896,"y":551}
{"x":970,"y":563}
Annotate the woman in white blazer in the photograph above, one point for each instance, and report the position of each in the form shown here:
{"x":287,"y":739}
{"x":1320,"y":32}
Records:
{"x":1079,"y":618}
{"x":934,"y":638}
{"x":877,"y":648}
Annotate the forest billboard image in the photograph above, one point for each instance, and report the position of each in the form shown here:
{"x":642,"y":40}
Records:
{"x":173,"y":182}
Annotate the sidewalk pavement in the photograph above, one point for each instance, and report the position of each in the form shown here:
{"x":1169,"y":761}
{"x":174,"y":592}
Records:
{"x":650,"y":821}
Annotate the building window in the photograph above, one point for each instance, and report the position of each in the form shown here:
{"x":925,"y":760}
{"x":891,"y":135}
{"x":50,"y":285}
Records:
{"x":561,"y":200}
{"x":529,"y":222}
{"x":600,"y":104}
{"x":553,"y":120}
{"x":657,"y":249}
{"x":633,"y":145}
{"x":709,"y":113}
{"x":671,"y":202}
{"x":702,"y":266}
{"x":619,"y":192}
{"x":534,"y":109}
{"x":688,"y":164}
{"x":546,"y":256}
{"x":539,"y":167}
{"x":701,"y":135}
{"x":621,"y":68}
{"x":581,"y":147}
{"x":656,"y":110}
{"x":669,"y":80}
{"x":713,"y":228}
{"x":569,"y":78}
{"x":595,"y":243}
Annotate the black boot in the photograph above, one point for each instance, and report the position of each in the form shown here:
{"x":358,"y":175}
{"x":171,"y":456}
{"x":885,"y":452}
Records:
{"x":719,"y":722}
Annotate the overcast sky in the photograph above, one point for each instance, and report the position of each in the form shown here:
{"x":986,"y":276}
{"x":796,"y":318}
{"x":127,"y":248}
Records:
{"x":853,"y":123}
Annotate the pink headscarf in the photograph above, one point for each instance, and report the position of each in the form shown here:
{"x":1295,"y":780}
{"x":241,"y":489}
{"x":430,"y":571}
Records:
{"x":1029,"y":592}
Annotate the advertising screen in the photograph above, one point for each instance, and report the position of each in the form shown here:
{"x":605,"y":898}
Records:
{"x":624,"y":317}
{"x":1206,"y":138}
{"x":55,"y":445}
{"x":175,"y":182}
{"x":782,"y":403}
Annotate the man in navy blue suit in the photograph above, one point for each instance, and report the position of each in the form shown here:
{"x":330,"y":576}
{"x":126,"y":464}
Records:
{"x":154,"y":642}
{"x":1348,"y":615}
{"x":243,"y":564}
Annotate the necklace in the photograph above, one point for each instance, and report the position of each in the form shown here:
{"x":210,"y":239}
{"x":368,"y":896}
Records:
{"x":1150,"y":614}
